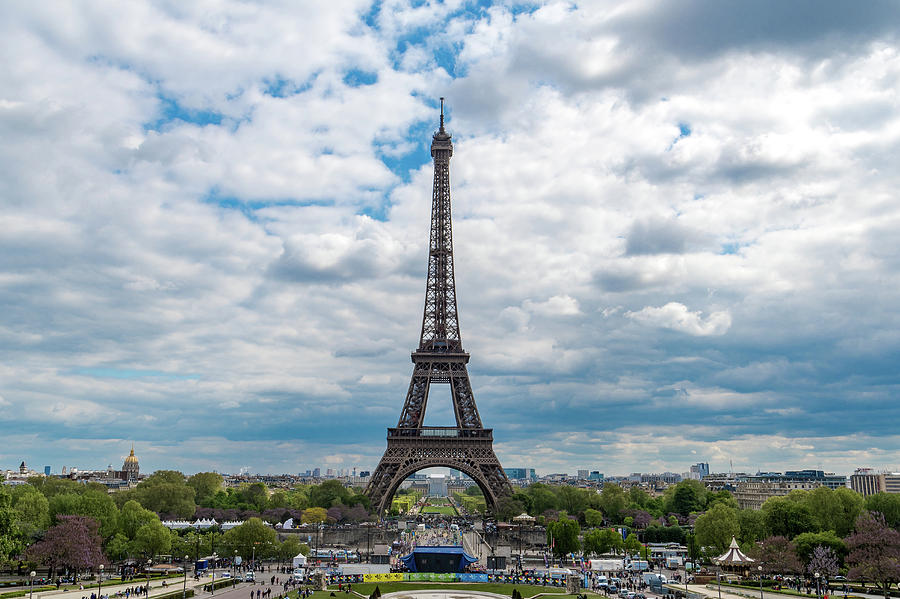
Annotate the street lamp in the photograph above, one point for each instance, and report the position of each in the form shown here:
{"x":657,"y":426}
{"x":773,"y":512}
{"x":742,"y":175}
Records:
{"x":99,"y":581}
{"x":816,"y":576}
{"x":215,"y":557}
{"x":719,"y":583}
{"x":184,"y":590}
{"x":31,"y":593}
{"x":759,"y":569}
{"x":149,"y":563}
{"x":234,"y":565}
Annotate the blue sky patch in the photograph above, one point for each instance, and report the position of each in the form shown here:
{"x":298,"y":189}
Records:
{"x":359,"y":78}
{"x":171,"y":110}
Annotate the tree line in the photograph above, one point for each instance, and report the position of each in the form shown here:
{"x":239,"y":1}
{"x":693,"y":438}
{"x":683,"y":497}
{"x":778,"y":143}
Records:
{"x":66,"y":524}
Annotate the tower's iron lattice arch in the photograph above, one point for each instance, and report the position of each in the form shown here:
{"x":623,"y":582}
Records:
{"x":440,"y":358}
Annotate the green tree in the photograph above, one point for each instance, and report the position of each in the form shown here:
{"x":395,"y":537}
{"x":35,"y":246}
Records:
{"x":612,"y":501}
{"x":328,"y":494}
{"x":686,"y":497}
{"x":152,"y":539}
{"x":753,"y":526}
{"x":314,"y":515}
{"x":508,"y":508}
{"x":571,"y":499}
{"x":787,"y":517}
{"x":256,"y":495}
{"x":723,"y":496}
{"x":886,"y":504}
{"x":852,"y":505}
{"x":631,"y":545}
{"x":95,"y":504}
{"x":542,"y":498}
{"x":205,"y":485}
{"x":638,"y":497}
{"x":11,"y":542}
{"x":563,"y":534}
{"x":172,"y":477}
{"x":595,"y":542}
{"x":32,"y":507}
{"x":50,"y":485}
{"x":593,"y":518}
{"x":117,"y":547}
{"x":133,"y":517}
{"x":717,"y":526}
{"x":167,"y":498}
{"x":254,"y":533}
{"x":289,"y":548}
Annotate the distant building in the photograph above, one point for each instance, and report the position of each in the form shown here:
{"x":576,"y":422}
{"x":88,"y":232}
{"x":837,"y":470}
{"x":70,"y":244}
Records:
{"x":582,"y":474}
{"x":595,"y":475}
{"x":867,"y":481}
{"x":437,"y":485}
{"x":699,"y":471}
{"x":317,"y":472}
{"x":516,"y":473}
{"x":130,"y":469}
{"x":46,"y":470}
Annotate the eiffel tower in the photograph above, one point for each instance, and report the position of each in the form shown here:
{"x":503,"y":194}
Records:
{"x":440,"y":358}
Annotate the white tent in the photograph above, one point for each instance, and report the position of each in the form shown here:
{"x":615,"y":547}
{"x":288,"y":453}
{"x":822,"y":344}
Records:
{"x":299,"y":561}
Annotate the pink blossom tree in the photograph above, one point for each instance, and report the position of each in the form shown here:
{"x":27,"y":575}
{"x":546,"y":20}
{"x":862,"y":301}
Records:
{"x":874,"y":551}
{"x":72,"y":543}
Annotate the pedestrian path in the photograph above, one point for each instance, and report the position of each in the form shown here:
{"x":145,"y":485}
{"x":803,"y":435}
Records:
{"x":156,"y":588}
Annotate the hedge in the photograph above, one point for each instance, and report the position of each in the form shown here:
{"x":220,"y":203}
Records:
{"x":175,"y":594}
{"x":23,"y":592}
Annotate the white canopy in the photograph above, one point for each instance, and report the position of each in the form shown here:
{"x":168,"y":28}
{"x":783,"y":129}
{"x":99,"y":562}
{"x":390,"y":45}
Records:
{"x":299,"y":560}
{"x":523,"y":517}
{"x":734,"y":556}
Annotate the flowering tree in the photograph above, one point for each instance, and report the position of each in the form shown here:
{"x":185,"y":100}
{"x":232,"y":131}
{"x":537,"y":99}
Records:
{"x":777,"y":555}
{"x":874,"y":551}
{"x":72,"y":543}
{"x":824,"y":561}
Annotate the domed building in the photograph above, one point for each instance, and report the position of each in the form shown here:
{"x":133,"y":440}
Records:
{"x":130,"y":468}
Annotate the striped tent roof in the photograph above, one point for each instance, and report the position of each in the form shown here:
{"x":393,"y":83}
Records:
{"x":734,"y":556}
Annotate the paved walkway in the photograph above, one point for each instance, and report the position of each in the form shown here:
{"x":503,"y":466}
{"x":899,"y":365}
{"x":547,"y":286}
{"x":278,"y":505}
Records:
{"x":156,"y":588}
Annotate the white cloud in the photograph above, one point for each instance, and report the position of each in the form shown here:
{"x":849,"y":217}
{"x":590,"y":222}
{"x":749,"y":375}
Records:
{"x":608,"y":171}
{"x":677,"y":317}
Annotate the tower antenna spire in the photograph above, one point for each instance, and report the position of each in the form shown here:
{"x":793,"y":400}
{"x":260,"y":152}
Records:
{"x":442,"y":114}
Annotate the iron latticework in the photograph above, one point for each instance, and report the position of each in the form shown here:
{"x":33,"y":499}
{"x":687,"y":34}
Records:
{"x":440,"y":358}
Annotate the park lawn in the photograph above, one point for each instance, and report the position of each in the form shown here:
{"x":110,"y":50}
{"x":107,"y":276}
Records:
{"x":527,"y":590}
{"x":446,"y":510}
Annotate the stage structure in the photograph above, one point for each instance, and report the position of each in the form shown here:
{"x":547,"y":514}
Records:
{"x":440,"y":358}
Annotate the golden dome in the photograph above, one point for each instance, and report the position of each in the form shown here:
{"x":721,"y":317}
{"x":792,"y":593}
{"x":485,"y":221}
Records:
{"x":131,"y":458}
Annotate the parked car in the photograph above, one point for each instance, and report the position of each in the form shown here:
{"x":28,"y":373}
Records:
{"x":249,"y":577}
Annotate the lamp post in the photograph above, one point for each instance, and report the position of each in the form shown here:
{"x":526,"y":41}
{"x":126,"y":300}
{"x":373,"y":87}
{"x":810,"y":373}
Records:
{"x":213,"y":585}
{"x":719,"y":583}
{"x":149,"y":563}
{"x":816,"y":576}
{"x":99,"y":580}
{"x":759,"y":569}
{"x":234,"y":566}
{"x":31,"y":592}
{"x":184,"y":590}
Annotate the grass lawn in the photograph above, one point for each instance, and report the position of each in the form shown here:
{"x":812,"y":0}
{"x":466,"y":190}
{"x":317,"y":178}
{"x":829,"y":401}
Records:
{"x":439,"y":509}
{"x":366,"y":588}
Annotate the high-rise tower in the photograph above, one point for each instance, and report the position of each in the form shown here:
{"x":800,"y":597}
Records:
{"x":440,"y":358}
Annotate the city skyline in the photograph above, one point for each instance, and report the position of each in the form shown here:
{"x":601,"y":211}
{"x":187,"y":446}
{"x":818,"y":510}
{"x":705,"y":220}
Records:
{"x":674,"y":230}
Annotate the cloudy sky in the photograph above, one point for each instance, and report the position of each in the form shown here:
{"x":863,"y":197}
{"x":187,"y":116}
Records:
{"x":676,"y":230}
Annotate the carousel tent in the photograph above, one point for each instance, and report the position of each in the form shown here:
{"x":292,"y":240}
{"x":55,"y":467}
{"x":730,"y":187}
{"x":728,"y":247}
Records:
{"x":734,"y":559}
{"x":299,"y":561}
